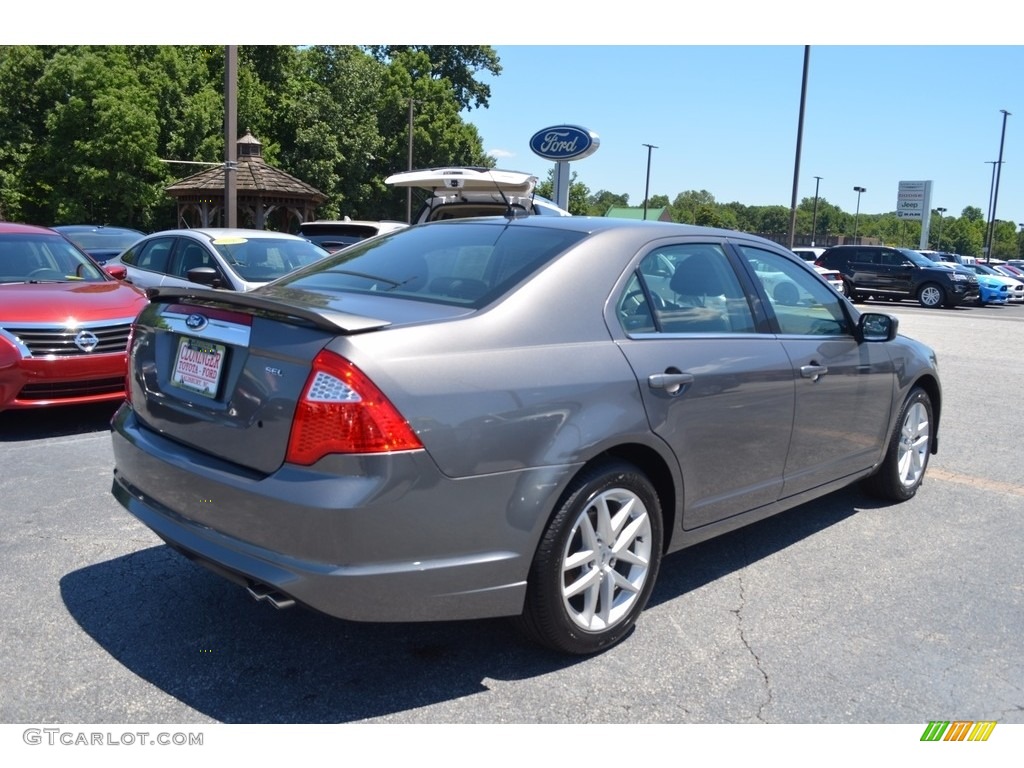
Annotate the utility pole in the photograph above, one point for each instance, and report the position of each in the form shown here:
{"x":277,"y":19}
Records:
{"x":231,"y":136}
{"x":995,"y":193}
{"x":799,"y":143}
{"x":647,"y":188}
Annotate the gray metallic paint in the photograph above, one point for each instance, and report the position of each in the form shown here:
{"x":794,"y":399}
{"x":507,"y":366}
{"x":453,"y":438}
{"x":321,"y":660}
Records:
{"x":510,"y":401}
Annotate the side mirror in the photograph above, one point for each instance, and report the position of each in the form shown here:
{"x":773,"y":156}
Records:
{"x":874,"y":326}
{"x":205,"y":276}
{"x":117,"y":270}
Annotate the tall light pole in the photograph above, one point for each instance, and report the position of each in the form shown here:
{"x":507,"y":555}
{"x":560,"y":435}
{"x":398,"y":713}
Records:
{"x":230,"y":136}
{"x":859,"y":191}
{"x":647,"y":187}
{"x":995,"y":193}
{"x":988,"y":213}
{"x":814,"y":216}
{"x":799,"y":143}
{"x":938,"y":242}
{"x":408,"y":191}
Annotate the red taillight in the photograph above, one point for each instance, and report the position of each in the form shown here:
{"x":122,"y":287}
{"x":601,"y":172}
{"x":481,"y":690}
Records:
{"x":341,"y":411}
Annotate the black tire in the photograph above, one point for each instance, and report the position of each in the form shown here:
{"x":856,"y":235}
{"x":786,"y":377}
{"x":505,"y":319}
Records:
{"x":931,"y":295}
{"x":906,"y":458}
{"x":605,"y":539}
{"x":851,"y":293}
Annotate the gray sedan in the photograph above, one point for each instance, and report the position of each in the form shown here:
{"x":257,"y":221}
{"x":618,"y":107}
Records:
{"x":509,"y":417}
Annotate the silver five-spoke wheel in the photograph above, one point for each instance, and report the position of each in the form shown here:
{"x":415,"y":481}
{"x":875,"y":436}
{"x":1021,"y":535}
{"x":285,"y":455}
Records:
{"x":606,"y":560}
{"x":914,"y":444}
{"x":597,"y":560}
{"x":906,"y":458}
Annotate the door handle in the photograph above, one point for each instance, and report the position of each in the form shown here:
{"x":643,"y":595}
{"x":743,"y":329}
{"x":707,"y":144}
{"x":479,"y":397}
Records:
{"x":672,"y":383}
{"x":813,"y":372}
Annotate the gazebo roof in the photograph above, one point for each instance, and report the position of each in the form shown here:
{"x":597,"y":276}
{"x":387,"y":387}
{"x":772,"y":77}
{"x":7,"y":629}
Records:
{"x":254,"y":178}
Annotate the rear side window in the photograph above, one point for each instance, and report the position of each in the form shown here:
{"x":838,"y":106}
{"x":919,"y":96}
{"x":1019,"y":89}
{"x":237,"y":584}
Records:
{"x":466,"y":264}
{"x":685,"y":288}
{"x":152,"y":255}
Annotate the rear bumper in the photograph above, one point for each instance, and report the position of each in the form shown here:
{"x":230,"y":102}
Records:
{"x":391,"y":540}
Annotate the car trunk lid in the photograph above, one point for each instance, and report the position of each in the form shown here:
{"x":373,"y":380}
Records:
{"x":222,"y":372}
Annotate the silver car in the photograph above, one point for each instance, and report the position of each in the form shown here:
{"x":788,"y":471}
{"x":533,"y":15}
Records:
{"x":509,"y":417}
{"x":229,"y":259}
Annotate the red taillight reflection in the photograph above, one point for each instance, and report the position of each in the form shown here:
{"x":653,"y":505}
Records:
{"x":341,"y":411}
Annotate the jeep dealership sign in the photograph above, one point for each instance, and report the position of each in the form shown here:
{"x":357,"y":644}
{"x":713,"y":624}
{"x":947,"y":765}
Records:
{"x":913,"y":200}
{"x":564,"y":143}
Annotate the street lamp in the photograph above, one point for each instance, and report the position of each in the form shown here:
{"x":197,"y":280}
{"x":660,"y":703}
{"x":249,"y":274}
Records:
{"x":995,"y":193}
{"x":814,"y":216}
{"x":938,"y":242}
{"x":647,"y":188}
{"x":859,"y":191}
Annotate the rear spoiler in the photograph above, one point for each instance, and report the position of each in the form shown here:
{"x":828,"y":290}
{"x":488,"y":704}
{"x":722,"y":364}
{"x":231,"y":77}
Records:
{"x":318,"y":317}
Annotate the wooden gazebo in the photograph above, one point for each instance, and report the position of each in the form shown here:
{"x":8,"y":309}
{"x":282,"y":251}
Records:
{"x":265,"y":194}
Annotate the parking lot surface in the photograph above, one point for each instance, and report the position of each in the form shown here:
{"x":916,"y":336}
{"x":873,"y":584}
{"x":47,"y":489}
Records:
{"x":839,"y":611}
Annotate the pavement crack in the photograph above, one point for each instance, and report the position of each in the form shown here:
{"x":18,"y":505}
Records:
{"x":741,"y":630}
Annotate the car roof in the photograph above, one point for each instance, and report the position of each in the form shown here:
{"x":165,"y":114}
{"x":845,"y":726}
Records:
{"x":594,"y":224}
{"x":221,"y":233}
{"x":13,"y":228}
{"x":75,"y":228}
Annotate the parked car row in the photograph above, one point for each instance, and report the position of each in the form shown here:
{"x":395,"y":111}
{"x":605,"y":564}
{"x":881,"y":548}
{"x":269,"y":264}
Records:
{"x":885,"y":272}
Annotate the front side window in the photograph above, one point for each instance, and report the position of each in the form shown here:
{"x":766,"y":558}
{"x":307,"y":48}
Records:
{"x":803,"y":304}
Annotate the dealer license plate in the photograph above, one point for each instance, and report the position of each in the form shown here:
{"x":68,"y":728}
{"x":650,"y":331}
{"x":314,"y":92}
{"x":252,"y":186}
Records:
{"x":198,"y":366}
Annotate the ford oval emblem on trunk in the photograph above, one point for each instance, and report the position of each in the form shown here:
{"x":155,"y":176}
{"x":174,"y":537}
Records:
{"x":564,"y":142}
{"x":196,"y":322}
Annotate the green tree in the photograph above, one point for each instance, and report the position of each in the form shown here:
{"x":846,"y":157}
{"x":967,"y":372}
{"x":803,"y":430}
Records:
{"x":686,"y":205}
{"x":97,"y":160}
{"x":599,"y":203}
{"x":579,"y":194}
{"x":457,"y":65}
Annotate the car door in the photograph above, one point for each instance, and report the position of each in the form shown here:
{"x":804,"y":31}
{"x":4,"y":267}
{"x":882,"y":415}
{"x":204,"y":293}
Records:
{"x":715,"y":389}
{"x":189,"y":254}
{"x":899,"y":272}
{"x":842,"y":388}
{"x":147,"y":262}
{"x":866,"y":270}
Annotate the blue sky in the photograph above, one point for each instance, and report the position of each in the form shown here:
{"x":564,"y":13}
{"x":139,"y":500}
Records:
{"x":895,"y":93}
{"x":725,"y":118}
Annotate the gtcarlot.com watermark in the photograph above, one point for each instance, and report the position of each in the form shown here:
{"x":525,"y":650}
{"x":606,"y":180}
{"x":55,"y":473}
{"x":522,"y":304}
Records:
{"x":71,"y":738}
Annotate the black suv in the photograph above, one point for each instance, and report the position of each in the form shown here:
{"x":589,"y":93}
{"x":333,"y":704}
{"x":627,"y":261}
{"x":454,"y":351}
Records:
{"x":899,"y":273}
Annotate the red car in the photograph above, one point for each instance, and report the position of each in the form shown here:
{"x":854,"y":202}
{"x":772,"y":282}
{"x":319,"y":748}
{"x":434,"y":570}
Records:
{"x":64,"y":322}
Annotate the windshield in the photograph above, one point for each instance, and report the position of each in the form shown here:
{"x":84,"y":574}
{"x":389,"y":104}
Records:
{"x":35,"y":258}
{"x":920,"y":259}
{"x":262,"y":259}
{"x":464,"y":263}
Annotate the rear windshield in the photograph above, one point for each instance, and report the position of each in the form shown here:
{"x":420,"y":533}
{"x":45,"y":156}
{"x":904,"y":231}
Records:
{"x":463,"y":263}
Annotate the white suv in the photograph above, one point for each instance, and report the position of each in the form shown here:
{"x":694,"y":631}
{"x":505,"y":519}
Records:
{"x":460,"y":193}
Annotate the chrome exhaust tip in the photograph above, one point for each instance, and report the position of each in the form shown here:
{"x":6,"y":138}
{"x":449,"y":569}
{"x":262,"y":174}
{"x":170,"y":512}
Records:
{"x":272,"y":596}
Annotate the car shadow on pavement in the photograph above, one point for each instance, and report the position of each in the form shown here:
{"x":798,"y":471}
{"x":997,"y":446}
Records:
{"x":41,"y":423}
{"x":202,"y":640}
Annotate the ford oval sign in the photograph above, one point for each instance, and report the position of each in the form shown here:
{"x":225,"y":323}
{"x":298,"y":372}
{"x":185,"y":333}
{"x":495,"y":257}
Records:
{"x":564,"y":142}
